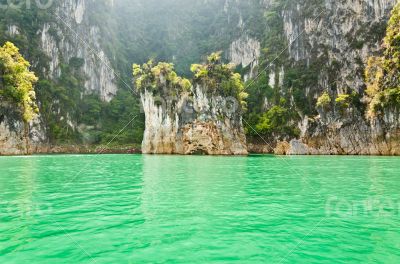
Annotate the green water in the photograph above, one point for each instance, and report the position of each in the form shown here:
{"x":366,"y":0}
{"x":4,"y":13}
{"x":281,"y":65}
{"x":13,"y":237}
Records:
{"x":199,"y":209}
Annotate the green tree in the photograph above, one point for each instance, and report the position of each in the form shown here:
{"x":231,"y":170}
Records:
{"x":16,"y":86}
{"x":343,"y":100}
{"x":276,"y":121}
{"x":151,"y":77}
{"x":383,"y":73}
{"x":324,"y":100}
{"x":220,"y":78}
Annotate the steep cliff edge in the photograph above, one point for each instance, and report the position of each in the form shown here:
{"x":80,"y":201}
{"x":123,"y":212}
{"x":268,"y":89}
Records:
{"x":181,"y":118}
{"x":73,"y":35}
{"x":343,"y":127}
{"x":351,"y":135}
{"x":63,"y":42}
{"x":12,"y":136}
{"x":329,"y":46}
{"x":19,"y":122}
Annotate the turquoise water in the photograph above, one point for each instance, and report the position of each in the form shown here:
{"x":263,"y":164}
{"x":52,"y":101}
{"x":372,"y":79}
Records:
{"x":199,"y":209}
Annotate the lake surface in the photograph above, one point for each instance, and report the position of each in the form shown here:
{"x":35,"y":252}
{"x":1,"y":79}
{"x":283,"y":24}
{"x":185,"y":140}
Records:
{"x":199,"y":209}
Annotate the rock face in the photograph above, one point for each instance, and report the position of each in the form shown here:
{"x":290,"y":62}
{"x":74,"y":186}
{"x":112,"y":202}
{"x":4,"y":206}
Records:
{"x":349,"y":135}
{"x":335,"y":40}
{"x":195,"y":123}
{"x":73,"y":35}
{"x":70,"y":34}
{"x":339,"y":32}
{"x":245,"y":52}
{"x":348,"y":32}
{"x":12,"y":137}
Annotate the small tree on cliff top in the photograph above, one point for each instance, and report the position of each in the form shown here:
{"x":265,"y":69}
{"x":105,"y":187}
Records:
{"x":16,"y":86}
{"x":383,"y":73}
{"x":220,"y":78}
{"x":152,"y":77}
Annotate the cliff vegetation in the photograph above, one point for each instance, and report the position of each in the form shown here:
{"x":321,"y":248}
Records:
{"x":383,"y":73}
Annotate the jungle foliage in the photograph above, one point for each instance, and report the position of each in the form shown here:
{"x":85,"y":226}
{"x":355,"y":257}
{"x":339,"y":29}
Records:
{"x":16,"y":86}
{"x":217,"y":77}
{"x":383,"y":73}
{"x":16,"y":82}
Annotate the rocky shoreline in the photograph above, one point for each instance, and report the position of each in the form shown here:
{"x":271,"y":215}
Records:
{"x":74,"y":149}
{"x":294,"y":147}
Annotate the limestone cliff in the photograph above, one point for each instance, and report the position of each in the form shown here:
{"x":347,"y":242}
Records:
{"x":12,"y":137}
{"x":63,"y":32}
{"x":245,"y":52}
{"x":351,"y":41}
{"x":72,"y":34}
{"x":350,"y":135}
{"x":189,"y":119}
{"x":328,"y":46}
{"x":196,"y":124}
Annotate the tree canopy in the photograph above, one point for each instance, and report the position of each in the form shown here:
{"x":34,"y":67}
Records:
{"x":383,"y":73}
{"x":217,"y":77}
{"x":151,"y":76}
{"x":16,"y":86}
{"x":220,"y":78}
